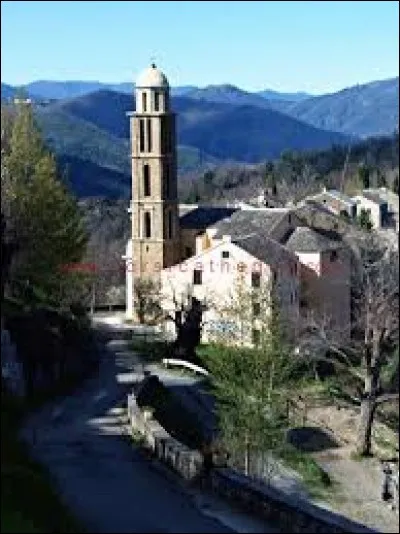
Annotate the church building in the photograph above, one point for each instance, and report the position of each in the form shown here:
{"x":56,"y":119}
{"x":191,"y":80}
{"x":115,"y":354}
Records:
{"x":187,"y":249}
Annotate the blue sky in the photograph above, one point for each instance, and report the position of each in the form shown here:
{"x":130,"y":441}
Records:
{"x":314,"y":46}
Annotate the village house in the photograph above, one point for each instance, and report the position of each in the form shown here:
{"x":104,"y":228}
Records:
{"x":336,"y":202}
{"x":377,"y":208}
{"x":386,"y":206}
{"x":324,"y":278}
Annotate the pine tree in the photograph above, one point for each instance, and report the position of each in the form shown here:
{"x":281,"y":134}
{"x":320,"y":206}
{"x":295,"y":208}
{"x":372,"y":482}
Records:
{"x":43,"y":215}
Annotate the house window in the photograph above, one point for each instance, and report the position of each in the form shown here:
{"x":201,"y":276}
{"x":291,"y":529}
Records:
{"x":141,"y":135}
{"x":256,"y":336}
{"x":170,"y":229}
{"x":146,"y":180}
{"x":147,"y":224}
{"x":149,"y":138}
{"x":333,"y":255}
{"x":255,"y":279}
{"x":225,"y":254}
{"x":256,"y":309}
{"x":144,"y":102}
{"x":188,"y":252}
{"x":156,"y":101}
{"x":197,"y":277}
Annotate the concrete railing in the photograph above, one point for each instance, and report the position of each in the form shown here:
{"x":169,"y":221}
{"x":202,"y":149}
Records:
{"x":183,"y":363}
{"x":187,"y":462}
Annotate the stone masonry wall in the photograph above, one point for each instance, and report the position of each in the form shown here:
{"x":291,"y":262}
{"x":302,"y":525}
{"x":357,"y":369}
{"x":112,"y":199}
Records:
{"x":188,"y":463}
{"x":264,"y":501}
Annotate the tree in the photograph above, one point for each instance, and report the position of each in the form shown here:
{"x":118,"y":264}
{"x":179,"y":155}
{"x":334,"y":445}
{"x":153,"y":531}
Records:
{"x":187,"y":317}
{"x":381,"y":179}
{"x":396,"y":184}
{"x":43,"y":216}
{"x":364,"y":176}
{"x":375,"y":284}
{"x":270,"y":179}
{"x":115,"y":295}
{"x":364,"y":220}
{"x":147,"y":300}
{"x":249,"y":382}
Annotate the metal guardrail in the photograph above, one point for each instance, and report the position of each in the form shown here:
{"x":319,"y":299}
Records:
{"x":184,"y":363}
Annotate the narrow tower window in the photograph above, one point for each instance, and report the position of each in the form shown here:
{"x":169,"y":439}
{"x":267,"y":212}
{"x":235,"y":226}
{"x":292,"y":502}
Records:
{"x":166,"y":179}
{"x":164,"y":136}
{"x":149,"y":139}
{"x":141,"y":135}
{"x":170,"y":225}
{"x":144,"y":102}
{"x":146,"y":180}
{"x":156,"y":101}
{"x":147,"y":225}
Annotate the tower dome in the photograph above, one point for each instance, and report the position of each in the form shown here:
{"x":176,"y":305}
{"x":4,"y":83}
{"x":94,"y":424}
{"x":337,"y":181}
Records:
{"x":152,"y":77}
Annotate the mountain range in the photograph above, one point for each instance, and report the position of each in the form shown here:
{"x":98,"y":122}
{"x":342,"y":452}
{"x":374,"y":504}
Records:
{"x":86,"y":125}
{"x":55,"y":90}
{"x":95,"y":128}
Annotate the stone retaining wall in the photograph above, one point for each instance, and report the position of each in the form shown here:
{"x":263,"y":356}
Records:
{"x":269,"y":503}
{"x":187,"y":462}
{"x":273,"y":505}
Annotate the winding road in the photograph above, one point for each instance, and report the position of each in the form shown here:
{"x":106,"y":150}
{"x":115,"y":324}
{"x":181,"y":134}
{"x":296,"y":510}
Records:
{"x":106,"y":481}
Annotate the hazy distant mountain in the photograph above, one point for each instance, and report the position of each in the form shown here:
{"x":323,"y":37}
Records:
{"x":53,"y":90}
{"x":228,"y":94}
{"x":362,"y":110}
{"x":183,"y":90}
{"x":269,"y":94}
{"x":7,"y":91}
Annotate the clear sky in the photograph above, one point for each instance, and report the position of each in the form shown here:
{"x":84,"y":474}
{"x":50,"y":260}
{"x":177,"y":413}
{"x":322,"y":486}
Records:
{"x":314,"y":46}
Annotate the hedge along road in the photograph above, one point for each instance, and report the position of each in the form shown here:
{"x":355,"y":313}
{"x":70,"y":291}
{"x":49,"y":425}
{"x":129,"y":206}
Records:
{"x":108,"y":483}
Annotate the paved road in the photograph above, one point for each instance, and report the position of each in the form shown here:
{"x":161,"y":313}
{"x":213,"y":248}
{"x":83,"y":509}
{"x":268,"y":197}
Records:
{"x":108,"y":483}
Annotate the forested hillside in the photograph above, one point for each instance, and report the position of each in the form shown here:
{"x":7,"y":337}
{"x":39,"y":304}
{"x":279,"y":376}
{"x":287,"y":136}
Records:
{"x":363,"y":110}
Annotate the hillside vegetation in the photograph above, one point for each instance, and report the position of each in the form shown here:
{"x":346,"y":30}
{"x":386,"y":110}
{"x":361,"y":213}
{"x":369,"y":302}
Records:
{"x":364,"y":110}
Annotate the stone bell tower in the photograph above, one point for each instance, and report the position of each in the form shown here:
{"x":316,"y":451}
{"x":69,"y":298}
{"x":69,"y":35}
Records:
{"x":154,"y":208}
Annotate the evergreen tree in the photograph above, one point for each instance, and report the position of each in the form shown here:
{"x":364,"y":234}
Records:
{"x":42,"y":214}
{"x":364,"y":176}
{"x":364,"y":220}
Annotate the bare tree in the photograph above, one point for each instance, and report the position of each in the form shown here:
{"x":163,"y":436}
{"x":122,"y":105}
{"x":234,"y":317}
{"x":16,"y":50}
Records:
{"x":187,"y":317}
{"x":375,"y":329}
{"x":147,"y":300}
